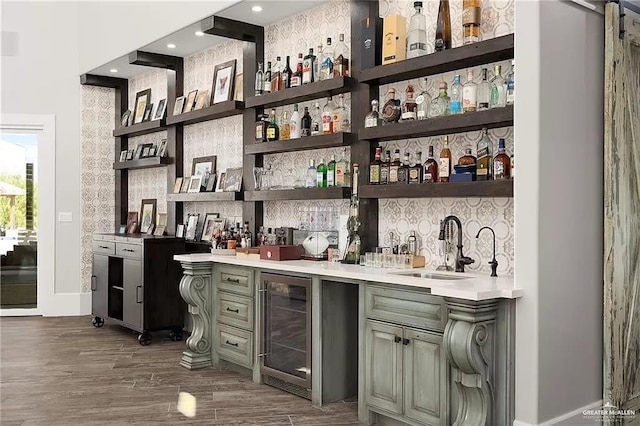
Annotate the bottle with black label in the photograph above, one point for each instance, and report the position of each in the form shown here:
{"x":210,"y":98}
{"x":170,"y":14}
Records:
{"x":384,"y":168}
{"x":306,"y":123}
{"x":415,"y":168}
{"x":394,"y":167}
{"x":403,"y":170}
{"x":308,"y":64}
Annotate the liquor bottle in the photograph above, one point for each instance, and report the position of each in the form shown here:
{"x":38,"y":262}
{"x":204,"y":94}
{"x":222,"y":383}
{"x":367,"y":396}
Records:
{"x":286,"y":75}
{"x":317,"y":64}
{"x":259,"y":89}
{"x":511,"y":83}
{"x":316,"y":120}
{"x":321,"y":174}
{"x":501,"y":163}
{"x":440,"y":104}
{"x":276,"y":75}
{"x":341,"y":58}
{"x":394,"y":167}
{"x":285,"y":133}
{"x":498,"y":88}
{"x":455,"y":103}
{"x":327,"y":117}
{"x":296,"y":77}
{"x":340,"y":116}
{"x":312,"y":175}
{"x":423,"y":102}
{"x":403,"y":170}
{"x":260,"y":237}
{"x":373,"y":118}
{"x":409,"y":106}
{"x":273,"y":132}
{"x":391,"y":109}
{"x":374,"y":168}
{"x":295,"y":124}
{"x":385,"y":167}
{"x":484,"y":151}
{"x":305,"y":125}
{"x":352,"y":255}
{"x":412,"y":244}
{"x":331,"y":172}
{"x":470,"y":21}
{"x":470,"y":93}
{"x":341,"y":169}
{"x":467,"y":159}
{"x":513,"y":166}
{"x":417,"y":40}
{"x":415,"y":168}
{"x":430,"y":168}
{"x":261,"y":128}
{"x":326,"y":68}
{"x":247,"y":236}
{"x":444,"y":169}
{"x":484,"y":92}
{"x":443,"y":27}
{"x":307,"y":67}
{"x":267,"y":78}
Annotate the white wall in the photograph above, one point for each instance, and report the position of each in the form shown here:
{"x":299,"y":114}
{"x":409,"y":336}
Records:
{"x":558,"y":209}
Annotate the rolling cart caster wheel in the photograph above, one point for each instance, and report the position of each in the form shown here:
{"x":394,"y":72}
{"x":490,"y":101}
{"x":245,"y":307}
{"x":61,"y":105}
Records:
{"x":144,"y":339}
{"x":175,"y":335}
{"x":97,"y":322}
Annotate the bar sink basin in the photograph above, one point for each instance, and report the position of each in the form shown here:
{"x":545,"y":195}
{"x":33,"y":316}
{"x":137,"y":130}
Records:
{"x":429,"y":275}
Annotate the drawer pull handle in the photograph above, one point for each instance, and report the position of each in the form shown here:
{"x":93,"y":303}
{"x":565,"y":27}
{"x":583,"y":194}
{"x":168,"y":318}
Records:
{"x":397,"y":339}
{"x":231,"y":344}
{"x":405,"y":341}
{"x":233,"y":280}
{"x":138,"y":298}
{"x":129,"y":250}
{"x":104,"y":247}
{"x":94,"y":287}
{"x":237,"y":311}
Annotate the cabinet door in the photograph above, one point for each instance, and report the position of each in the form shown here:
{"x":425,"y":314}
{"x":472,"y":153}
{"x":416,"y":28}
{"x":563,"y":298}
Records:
{"x":133,"y":294}
{"x":100,"y":285}
{"x":383,"y":364}
{"x":425,"y":377}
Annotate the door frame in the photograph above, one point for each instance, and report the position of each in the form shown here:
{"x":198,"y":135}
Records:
{"x":44,"y":125}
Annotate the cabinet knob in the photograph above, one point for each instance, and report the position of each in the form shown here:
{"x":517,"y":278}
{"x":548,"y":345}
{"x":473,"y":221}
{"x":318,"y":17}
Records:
{"x":397,"y":339}
{"x":405,"y":341}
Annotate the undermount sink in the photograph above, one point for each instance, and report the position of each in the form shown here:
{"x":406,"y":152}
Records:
{"x":429,"y":275}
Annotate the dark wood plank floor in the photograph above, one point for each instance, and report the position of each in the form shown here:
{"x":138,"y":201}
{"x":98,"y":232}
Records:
{"x":63,"y":371}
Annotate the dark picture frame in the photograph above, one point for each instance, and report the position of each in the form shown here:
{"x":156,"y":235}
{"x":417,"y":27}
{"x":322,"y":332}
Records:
{"x":224,"y":78}
{"x":147,"y":214}
{"x":147,"y":113}
{"x":190,"y":101}
{"x":160,"y":110}
{"x":162,"y":149}
{"x":203,"y":165}
{"x":221,"y":180}
{"x":192,"y":227}
{"x":211,"y":182}
{"x":124,"y":120}
{"x":130,"y":154}
{"x":143,"y":98}
{"x":123,"y":156}
{"x":233,"y":180}
{"x":208,"y":226}
{"x":138,"y":152}
{"x":146,"y":150}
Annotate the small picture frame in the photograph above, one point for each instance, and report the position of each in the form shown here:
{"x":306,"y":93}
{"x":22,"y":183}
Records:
{"x":132,"y":223}
{"x":123,"y":229}
{"x":202,"y":100}
{"x":238,"y":94}
{"x":160,"y":110}
{"x":177,"y":108}
{"x":203,"y":165}
{"x":147,"y":214}
{"x":145,"y":152}
{"x":208,"y":226}
{"x":211,"y":182}
{"x":192,"y":226}
{"x":123,"y":156}
{"x":150,"y":229}
{"x":180,"y":230}
{"x":223,"y":82}
{"x":147,"y":113}
{"x":233,"y":180}
{"x":124,"y":120}
{"x":130,"y":154}
{"x":220,"y":185}
{"x":194,"y":184}
{"x":177,"y":186}
{"x":143,"y":99}
{"x":190,"y":102}
{"x":218,"y":227}
{"x":162,"y":150}
{"x":185,"y":184}
{"x":138,"y":153}
{"x":161,"y":226}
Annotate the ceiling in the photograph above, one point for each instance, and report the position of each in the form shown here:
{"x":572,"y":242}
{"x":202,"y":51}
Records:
{"x":187,"y":42}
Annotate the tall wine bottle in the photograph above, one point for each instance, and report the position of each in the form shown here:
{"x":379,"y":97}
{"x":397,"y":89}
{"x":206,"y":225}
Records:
{"x":354,"y":243}
{"x":443,"y":27}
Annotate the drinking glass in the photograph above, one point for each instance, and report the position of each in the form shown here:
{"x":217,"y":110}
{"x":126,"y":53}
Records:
{"x":368,"y":260}
{"x":387,"y":260}
{"x":398,"y":261}
{"x":377,"y":260}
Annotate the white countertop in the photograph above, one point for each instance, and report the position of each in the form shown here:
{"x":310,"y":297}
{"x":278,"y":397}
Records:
{"x":472,"y":287}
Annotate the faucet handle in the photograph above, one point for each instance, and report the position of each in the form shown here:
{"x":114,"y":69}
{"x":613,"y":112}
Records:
{"x":466,"y":260}
{"x":494,"y":267}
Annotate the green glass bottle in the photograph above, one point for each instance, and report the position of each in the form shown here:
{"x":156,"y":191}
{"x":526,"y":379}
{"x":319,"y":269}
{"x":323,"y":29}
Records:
{"x":331,"y":172}
{"x":321,"y":174}
{"x":273,"y":131}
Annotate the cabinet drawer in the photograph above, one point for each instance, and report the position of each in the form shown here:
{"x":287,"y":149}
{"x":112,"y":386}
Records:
{"x":235,"y":345}
{"x":133,"y":251}
{"x":236,"y":280}
{"x":104,"y":247}
{"x":405,"y":307}
{"x":235,"y":310}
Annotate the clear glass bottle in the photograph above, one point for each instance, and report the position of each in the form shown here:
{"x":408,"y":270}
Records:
{"x":305,"y":123}
{"x":295,"y":124}
{"x":247,"y":236}
{"x":317,"y":64}
{"x":469,"y":93}
{"x":430,"y":168}
{"x":498,"y":88}
{"x":409,"y":106}
{"x":285,"y":131}
{"x":511,"y":84}
{"x":440,"y":104}
{"x":316,"y":120}
{"x":484,"y":167}
{"x":391,"y":110}
{"x":312,"y":175}
{"x":326,"y":68}
{"x":308,"y":64}
{"x":296,"y":78}
{"x":340,"y":116}
{"x":455,"y":103}
{"x":423,"y":101}
{"x":341,"y":58}
{"x":276,"y":75}
{"x":484,"y":92}
{"x":321,"y":174}
{"x":327,"y":117}
{"x":373,"y":118}
{"x":259,"y":88}
{"x":342,"y":166}
{"x":417,"y":38}
{"x":444,"y":169}
{"x":501,"y":163}
{"x":331,"y":172}
{"x":273,"y":131}
{"x":471,"y":15}
{"x":415,"y":168}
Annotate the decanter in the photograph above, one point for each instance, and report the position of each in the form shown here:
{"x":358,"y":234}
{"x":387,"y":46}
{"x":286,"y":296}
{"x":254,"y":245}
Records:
{"x":391,"y":109}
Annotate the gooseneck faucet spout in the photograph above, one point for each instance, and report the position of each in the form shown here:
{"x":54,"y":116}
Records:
{"x":494,"y":262}
{"x":461,"y":259}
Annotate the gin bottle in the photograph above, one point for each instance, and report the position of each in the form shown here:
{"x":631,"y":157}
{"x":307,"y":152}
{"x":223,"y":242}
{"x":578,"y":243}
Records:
{"x":326,"y":67}
{"x":484,"y":92}
{"x":295,"y":124}
{"x":498,"y":89}
{"x":511,"y":82}
{"x":316,"y":120}
{"x":441,"y":103}
{"x":484,"y":168}
{"x":455,"y":104}
{"x":259,"y":89}
{"x":340,"y":116}
{"x":331,"y":172}
{"x":321,"y":174}
{"x":327,"y":117}
{"x":423,"y":101}
{"x":417,"y":40}
{"x":469,"y":93}
{"x":373,"y":118}
{"x":342,"y":166}
{"x":312,"y":175}
{"x":341,"y":58}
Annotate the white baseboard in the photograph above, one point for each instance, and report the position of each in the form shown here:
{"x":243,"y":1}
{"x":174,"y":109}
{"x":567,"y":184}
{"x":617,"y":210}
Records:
{"x":67,"y":305}
{"x":575,"y":417}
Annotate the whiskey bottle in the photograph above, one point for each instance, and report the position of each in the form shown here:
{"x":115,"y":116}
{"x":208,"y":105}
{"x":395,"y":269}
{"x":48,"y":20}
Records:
{"x":391,"y":109}
{"x":312,"y":175}
{"x":430,"y":168}
{"x":327,"y":117}
{"x":501,"y":163}
{"x":341,"y":58}
{"x":341,"y":169}
{"x":316,"y":120}
{"x":374,"y":168}
{"x":511,"y":83}
{"x":470,"y":21}
{"x":267,"y":78}
{"x":296,"y":77}
{"x":307,"y":67}
{"x":259,"y":88}
{"x":285,"y":132}
{"x":340,"y":116}
{"x":273,"y":132}
{"x":276,"y":75}
{"x":331,"y":172}
{"x":326,"y":67}
{"x":513,"y":167}
{"x":305,"y":123}
{"x":443,"y":27}
{"x":373,"y":118}
{"x":423,"y":101}
{"x":484,"y":92}
{"x":498,"y":89}
{"x":455,"y":103}
{"x":484,"y":167}
{"x":409,"y":106}
{"x":415,"y":168}
{"x":287,"y":74}
{"x":417,"y":39}
{"x":403,"y":170}
{"x":295,"y":124}
{"x":385,"y":166}
{"x":467,"y":159}
{"x":321,"y":174}
{"x":444,"y":169}
{"x":440,"y":104}
{"x":261,"y":128}
{"x":394,"y":167}
{"x":352,"y":255}
{"x":469,"y":93}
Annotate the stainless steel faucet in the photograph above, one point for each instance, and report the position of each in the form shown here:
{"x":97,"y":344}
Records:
{"x":461,"y":259}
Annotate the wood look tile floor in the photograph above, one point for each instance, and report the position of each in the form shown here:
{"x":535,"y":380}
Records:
{"x":63,"y":371}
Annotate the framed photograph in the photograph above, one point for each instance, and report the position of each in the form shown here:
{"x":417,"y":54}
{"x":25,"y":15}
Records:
{"x":177,"y":108}
{"x":190,"y":102}
{"x":220,"y":186}
{"x":160,"y":110}
{"x":233,"y":180}
{"x":203,"y":165}
{"x":177,"y":186}
{"x":202,"y":100}
{"x":130,"y":154}
{"x":185,"y":184}
{"x":151,"y":229}
{"x":218,"y":227}
{"x":223,"y":82}
{"x":180,"y":230}
{"x":194,"y":184}
{"x":238,"y":94}
{"x":161,"y":226}
{"x":147,"y":214}
{"x":147,"y":113}
{"x":123,"y":229}
{"x":132,"y":223}
{"x":192,"y":226}
{"x":143,"y":99}
{"x":123,"y":156}
{"x":137,"y":154}
{"x":145,"y":152}
{"x":162,"y":150}
{"x":124,"y":121}
{"x":211,"y":182}
{"x":208,"y":226}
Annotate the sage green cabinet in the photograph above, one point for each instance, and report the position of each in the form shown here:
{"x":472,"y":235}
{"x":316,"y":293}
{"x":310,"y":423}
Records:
{"x":384,"y":366}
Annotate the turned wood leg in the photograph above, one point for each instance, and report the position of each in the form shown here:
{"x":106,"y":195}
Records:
{"x":469,"y":340}
{"x":195,"y":289}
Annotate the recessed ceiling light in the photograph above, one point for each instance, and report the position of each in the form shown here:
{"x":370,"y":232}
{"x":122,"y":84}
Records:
{"x":171,"y":46}
{"x":199,"y":33}
{"x":257,"y":8}
{"x":113,"y":70}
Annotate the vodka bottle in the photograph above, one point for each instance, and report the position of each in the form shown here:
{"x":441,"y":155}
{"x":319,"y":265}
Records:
{"x":423,"y":101}
{"x":484,"y":92}
{"x":455,"y":103}
{"x":469,"y":93}
{"x":511,"y":82}
{"x":316,"y":120}
{"x":417,"y":40}
{"x":326,"y":67}
{"x":312,"y":175}
{"x":295,"y":124}
{"x":498,"y":89}
{"x":259,"y":80}
{"x":317,"y":64}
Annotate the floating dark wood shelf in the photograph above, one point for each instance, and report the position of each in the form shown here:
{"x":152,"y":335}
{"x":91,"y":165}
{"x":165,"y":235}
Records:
{"x":492,"y":188}
{"x":334,"y":193}
{"x":187,"y":197}
{"x":481,"y":53}
{"x":493,"y":118}
{"x":141,"y":128}
{"x":306,"y":92}
{"x":219,"y":110}
{"x":302,"y":144}
{"x":143,"y":163}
